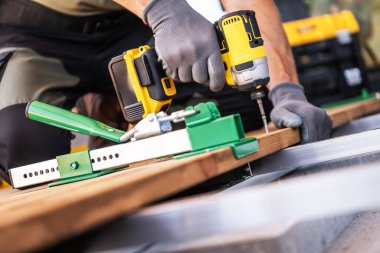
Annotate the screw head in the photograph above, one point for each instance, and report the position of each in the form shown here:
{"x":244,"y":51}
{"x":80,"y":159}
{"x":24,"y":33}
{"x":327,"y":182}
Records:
{"x":74,"y":165}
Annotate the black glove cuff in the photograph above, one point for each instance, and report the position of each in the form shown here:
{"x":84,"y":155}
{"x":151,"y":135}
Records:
{"x":287,"y":91}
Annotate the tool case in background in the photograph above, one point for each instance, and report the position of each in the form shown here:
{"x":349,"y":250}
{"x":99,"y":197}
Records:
{"x":328,"y":56}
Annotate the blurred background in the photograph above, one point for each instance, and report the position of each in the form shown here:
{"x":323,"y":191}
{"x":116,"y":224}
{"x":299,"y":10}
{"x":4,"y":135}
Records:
{"x":367,"y":13}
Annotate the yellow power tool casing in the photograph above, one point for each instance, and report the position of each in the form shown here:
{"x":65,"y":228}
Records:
{"x":141,"y":84}
{"x":328,"y":55}
{"x":315,"y":29}
{"x":243,"y":51}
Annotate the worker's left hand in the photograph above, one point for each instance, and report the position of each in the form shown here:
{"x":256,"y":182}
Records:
{"x":291,"y":109}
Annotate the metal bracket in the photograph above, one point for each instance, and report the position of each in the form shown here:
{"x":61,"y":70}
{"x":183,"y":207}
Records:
{"x":208,"y":129}
{"x":76,"y":167}
{"x":207,"y":132}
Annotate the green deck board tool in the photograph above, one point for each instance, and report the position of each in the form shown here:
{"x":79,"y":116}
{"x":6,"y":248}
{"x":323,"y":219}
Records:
{"x":205,"y":131}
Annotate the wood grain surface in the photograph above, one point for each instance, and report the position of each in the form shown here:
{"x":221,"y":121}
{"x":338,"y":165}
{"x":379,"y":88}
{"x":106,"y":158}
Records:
{"x":344,"y":114}
{"x":39,"y":217}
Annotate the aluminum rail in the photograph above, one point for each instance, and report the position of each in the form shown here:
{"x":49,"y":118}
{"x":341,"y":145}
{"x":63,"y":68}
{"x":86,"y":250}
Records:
{"x":367,"y":123}
{"x":287,"y":160}
{"x":326,"y":195}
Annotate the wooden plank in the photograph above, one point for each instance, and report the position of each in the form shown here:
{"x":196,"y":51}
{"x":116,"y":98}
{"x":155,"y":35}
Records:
{"x":344,"y":114}
{"x":57,"y":213}
{"x":48,"y":215}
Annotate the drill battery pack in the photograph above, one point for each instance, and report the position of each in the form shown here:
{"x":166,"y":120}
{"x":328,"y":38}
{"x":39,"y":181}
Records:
{"x":327,"y":54}
{"x":141,"y":84}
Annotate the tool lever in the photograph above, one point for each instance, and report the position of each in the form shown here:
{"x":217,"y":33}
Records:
{"x":64,"y":119}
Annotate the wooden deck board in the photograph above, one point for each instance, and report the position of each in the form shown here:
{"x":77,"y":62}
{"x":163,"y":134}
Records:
{"x":43,"y":216}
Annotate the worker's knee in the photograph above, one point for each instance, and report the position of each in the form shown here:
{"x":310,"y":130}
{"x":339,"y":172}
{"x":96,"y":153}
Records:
{"x":23,"y":141}
{"x":25,"y":75}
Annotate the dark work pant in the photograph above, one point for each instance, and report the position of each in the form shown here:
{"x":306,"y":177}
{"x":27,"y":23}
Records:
{"x":24,"y":141}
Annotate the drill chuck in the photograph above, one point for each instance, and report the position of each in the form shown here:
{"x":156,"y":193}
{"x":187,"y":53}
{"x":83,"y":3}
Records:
{"x":256,"y":94}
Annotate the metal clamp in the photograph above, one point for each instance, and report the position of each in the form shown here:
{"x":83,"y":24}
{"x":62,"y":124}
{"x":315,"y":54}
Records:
{"x":155,"y":124}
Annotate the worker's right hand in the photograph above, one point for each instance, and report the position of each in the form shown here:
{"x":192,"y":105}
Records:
{"x":186,"y":43}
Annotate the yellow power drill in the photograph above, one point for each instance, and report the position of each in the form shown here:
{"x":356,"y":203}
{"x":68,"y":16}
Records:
{"x":142,"y":86}
{"x":244,"y":55}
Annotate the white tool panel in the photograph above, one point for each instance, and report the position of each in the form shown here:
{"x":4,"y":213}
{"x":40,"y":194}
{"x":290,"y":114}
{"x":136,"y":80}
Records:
{"x":116,"y":156}
{"x":36,"y":173}
{"x":123,"y":154}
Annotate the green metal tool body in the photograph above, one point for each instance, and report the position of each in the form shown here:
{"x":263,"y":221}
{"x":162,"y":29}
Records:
{"x":205,"y":131}
{"x":71,"y":121}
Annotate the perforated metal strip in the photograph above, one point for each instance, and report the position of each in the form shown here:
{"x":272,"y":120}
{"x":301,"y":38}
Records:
{"x":33,"y":174}
{"x":107,"y":158}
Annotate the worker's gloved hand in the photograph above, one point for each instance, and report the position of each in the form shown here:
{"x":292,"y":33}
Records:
{"x":186,"y":43}
{"x":291,"y":109}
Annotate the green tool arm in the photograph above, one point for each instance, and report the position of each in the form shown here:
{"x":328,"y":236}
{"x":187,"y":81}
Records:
{"x":68,"y":120}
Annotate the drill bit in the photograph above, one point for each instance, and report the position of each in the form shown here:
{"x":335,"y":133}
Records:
{"x":263,"y":116}
{"x":258,"y":95}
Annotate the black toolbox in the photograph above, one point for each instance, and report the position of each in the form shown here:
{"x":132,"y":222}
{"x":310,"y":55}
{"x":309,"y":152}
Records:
{"x":328,"y":56}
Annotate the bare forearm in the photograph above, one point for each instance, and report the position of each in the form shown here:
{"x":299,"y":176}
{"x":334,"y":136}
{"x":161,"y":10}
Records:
{"x":135,"y":6}
{"x":280,"y":58}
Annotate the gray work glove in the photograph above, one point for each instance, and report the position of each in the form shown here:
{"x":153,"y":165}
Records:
{"x":186,"y":43}
{"x":291,"y":109}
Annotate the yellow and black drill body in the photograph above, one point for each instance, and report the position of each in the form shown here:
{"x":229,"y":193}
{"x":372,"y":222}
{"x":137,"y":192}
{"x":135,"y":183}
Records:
{"x":243,"y":52}
{"x":244,"y":55}
{"x":142,"y":86}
